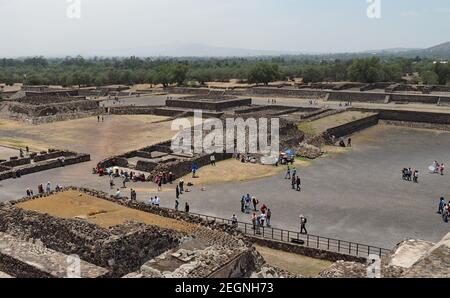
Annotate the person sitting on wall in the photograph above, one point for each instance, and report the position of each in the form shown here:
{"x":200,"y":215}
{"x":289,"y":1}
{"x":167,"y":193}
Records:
{"x":342,"y":143}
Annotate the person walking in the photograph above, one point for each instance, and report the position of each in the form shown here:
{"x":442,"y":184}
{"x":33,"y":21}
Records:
{"x":293,"y":181}
{"x":441,"y":169}
{"x":177,"y":203}
{"x":177,"y":192}
{"x":299,"y":183}
{"x":303,"y":222}
{"x":288,"y":173}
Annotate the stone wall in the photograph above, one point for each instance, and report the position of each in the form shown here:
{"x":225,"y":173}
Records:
{"x":306,"y":251}
{"x":44,"y":165}
{"x":357,"y":96}
{"x":16,"y":162}
{"x":121,"y":249}
{"x":24,"y":259}
{"x":352,"y":127}
{"x":208,"y":105}
{"x":410,"y":116}
{"x":132,"y":110}
{"x":416,"y":98}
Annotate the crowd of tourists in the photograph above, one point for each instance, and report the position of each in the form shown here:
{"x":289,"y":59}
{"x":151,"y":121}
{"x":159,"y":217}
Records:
{"x":444,"y":209}
{"x":296,"y":182}
{"x":43,"y":189}
{"x":260,"y":215}
{"x":410,"y":175}
{"x":437,"y":168}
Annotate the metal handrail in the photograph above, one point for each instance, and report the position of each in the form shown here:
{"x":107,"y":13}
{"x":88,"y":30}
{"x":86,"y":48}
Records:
{"x":309,"y":240}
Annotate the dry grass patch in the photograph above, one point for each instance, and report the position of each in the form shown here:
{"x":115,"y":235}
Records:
{"x":232,"y":170}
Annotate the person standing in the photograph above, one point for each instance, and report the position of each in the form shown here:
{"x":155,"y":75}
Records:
{"x":243,"y":204}
{"x":441,"y":205}
{"x":445,"y":213}
{"x":349,"y":142}
{"x":177,"y":203}
{"x":159,"y":184}
{"x":255,"y":204}
{"x":442,"y":168}
{"x":177,"y":192}
{"x":181,"y":184}
{"x":111,"y":182}
{"x":268,"y":217}
{"x":48,"y":187}
{"x":293,"y":181}
{"x":234,"y":220}
{"x":186,"y":207}
{"x":303,"y":222}
{"x":262,"y":219}
{"x":416,"y":176}
{"x":213,"y":160}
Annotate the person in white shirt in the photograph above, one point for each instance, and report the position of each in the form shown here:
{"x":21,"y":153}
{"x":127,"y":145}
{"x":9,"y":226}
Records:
{"x":117,"y":196}
{"x":157,"y":202}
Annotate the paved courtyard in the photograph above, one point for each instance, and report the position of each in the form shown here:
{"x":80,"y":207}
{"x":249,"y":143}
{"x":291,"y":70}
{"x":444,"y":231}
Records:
{"x":357,"y":195}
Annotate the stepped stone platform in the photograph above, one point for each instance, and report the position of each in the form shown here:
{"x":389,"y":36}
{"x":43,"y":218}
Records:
{"x":27,"y":260}
{"x":4,"y":275}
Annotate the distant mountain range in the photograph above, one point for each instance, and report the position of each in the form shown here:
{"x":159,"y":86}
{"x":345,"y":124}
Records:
{"x":441,"y":51}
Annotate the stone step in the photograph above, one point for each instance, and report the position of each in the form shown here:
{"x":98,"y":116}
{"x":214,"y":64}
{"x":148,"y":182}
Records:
{"x":4,"y":275}
{"x":24,"y":259}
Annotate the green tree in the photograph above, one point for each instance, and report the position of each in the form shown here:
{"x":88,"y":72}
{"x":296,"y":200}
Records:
{"x":263,"y":72}
{"x":179,"y":73}
{"x":430,"y":78}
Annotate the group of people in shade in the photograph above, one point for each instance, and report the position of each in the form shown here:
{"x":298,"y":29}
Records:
{"x":43,"y":190}
{"x":296,"y":182}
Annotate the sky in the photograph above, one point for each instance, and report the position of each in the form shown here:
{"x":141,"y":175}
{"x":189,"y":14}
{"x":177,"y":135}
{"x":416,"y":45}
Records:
{"x":148,"y":27}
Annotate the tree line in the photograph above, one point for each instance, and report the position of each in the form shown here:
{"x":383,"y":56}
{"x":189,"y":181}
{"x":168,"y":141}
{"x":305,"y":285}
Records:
{"x":71,"y":71}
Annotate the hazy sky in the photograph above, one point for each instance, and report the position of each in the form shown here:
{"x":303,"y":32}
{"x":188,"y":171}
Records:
{"x":127,"y":27}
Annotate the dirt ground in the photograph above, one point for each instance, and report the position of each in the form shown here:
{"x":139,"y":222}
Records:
{"x":118,"y":134}
{"x":294,"y":263}
{"x":6,"y":153}
{"x":72,"y":204}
